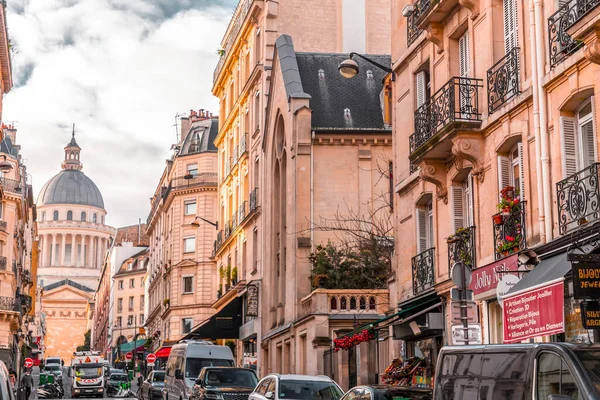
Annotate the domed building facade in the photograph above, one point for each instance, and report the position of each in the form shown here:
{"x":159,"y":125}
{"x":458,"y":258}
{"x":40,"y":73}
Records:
{"x":73,"y":239}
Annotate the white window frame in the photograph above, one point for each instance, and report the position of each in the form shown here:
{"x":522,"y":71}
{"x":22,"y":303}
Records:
{"x":583,"y":162}
{"x":192,"y":167}
{"x":132,"y":283}
{"x":188,"y":202}
{"x":184,"y":291}
{"x":185,"y":239}
{"x":506,"y":166}
{"x":425,"y":234}
{"x":572,"y":145}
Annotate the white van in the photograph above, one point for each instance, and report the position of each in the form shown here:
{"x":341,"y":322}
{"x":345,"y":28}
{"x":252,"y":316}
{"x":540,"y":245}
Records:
{"x":186,"y":360}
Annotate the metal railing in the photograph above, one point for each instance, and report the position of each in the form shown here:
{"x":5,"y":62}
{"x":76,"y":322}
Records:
{"x":461,"y":248}
{"x":422,"y":8}
{"x":219,"y":240}
{"x":509,"y":231}
{"x":412,"y":30}
{"x":204,"y":179}
{"x":577,"y":9}
{"x":242,"y":213}
{"x":228,"y":167}
{"x":228,"y":229}
{"x":423,"y":271}
{"x":457,"y":100}
{"x":234,"y":156}
{"x":240,"y":14}
{"x":11,"y":185}
{"x":560,"y":44}
{"x":578,"y":199}
{"x":254,"y":199}
{"x":503,"y":80}
{"x":234,"y":221}
{"x":243,"y":144}
{"x":10,"y":303}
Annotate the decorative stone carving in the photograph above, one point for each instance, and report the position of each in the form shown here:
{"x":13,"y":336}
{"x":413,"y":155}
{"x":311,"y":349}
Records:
{"x":435,"y":173}
{"x":434,"y":35}
{"x":592,"y":47}
{"x":471,"y":149}
{"x":471,"y":5}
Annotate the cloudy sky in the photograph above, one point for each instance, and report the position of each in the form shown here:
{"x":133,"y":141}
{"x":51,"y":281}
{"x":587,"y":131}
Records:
{"x":120,"y":70}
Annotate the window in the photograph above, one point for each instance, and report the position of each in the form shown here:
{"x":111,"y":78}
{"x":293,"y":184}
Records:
{"x":511,"y":171}
{"x":94,"y":218}
{"x":554,"y":377}
{"x":121,"y":284}
{"x":186,"y":325}
{"x":120,"y":305}
{"x":578,"y":136}
{"x":69,"y":215}
{"x":130,"y":320}
{"x":141,"y":319}
{"x":459,"y":374}
{"x":511,"y":36}
{"x":422,"y":86}
{"x":188,"y":284}
{"x":55,"y":216}
{"x":130,"y":303}
{"x":503,"y":376}
{"x":425,"y":226}
{"x":83,"y":216}
{"x":190,"y":207}
{"x":44,"y":216}
{"x":189,"y":245}
{"x":119,"y":322}
{"x":192,"y":169}
{"x":129,"y":266}
{"x":464,"y":56}
{"x":142,"y":300}
{"x":462,"y":204}
{"x":131,"y":283}
{"x":194,"y":143}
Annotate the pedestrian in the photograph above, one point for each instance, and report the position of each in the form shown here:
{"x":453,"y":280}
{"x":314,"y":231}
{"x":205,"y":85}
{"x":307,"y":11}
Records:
{"x":27,"y":382}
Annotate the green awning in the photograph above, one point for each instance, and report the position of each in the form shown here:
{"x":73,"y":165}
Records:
{"x":130,"y":345}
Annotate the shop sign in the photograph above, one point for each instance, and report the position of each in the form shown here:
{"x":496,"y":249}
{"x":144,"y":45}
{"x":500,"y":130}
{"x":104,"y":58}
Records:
{"x":505,"y":284}
{"x":590,"y":314}
{"x":534,"y":313}
{"x":252,"y":301}
{"x":586,"y":280}
{"x":486,"y":279}
{"x":473,"y":334}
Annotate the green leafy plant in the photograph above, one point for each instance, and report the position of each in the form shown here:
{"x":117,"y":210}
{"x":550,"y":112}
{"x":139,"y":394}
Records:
{"x":166,"y":302}
{"x":234,"y":274}
{"x":509,"y":200}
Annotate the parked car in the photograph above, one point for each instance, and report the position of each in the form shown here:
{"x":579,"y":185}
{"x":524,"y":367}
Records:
{"x":6,"y":388}
{"x":116,"y":382}
{"x":153,"y":385}
{"x":224,"y":383}
{"x":110,"y":372}
{"x":296,"y":387}
{"x":531,"y":371}
{"x":54,"y":369}
{"x":186,"y":360}
{"x":386,"y":392}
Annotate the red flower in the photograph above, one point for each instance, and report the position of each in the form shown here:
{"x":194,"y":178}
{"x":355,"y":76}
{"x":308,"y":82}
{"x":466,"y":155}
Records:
{"x":510,"y":238}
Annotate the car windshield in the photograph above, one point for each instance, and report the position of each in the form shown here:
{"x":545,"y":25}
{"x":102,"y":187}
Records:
{"x":53,"y":367}
{"x":308,"y":390}
{"x":591,"y":363}
{"x":239,"y":378}
{"x":91,"y":372}
{"x":119,"y":378}
{"x":158,"y":377}
{"x":194,"y":365}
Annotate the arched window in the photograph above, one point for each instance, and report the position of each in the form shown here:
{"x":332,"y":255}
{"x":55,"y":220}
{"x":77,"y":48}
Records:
{"x":55,"y":215}
{"x":83,"y":216}
{"x":363,"y":303}
{"x":343,"y":303}
{"x":69,"y":215}
{"x":371,"y":303}
{"x":353,"y":303}
{"x":94,"y":218}
{"x":333,"y":303}
{"x":44,"y":216}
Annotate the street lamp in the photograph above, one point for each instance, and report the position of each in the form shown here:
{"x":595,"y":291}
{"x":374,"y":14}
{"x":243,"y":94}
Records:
{"x":5,"y":166}
{"x":349,"y":68}
{"x":196,"y":222}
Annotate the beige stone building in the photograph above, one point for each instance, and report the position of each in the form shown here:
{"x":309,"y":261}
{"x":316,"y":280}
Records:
{"x":182,"y":278}
{"x":73,"y":239}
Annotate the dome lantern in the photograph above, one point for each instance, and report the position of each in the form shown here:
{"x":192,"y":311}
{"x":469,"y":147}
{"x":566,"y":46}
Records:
{"x":72,"y":153}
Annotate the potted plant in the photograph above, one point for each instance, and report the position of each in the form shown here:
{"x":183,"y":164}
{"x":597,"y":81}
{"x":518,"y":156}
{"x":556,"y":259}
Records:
{"x":219,"y":293}
{"x":220,"y":52}
{"x":498,"y":219}
{"x":509,"y":245}
{"x":234,"y":276}
{"x":461,"y":234}
{"x":509,"y":201}
{"x":166,"y":302}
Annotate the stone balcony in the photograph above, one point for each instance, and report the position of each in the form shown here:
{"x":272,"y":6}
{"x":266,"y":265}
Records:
{"x":344,"y":301}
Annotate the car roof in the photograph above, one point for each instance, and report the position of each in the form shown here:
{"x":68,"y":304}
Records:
{"x":294,"y":377}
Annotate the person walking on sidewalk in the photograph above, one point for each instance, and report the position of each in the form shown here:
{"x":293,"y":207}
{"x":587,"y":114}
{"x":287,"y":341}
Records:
{"x":27,"y":382}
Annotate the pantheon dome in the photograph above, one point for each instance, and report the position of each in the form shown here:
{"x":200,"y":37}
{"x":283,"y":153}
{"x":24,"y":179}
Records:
{"x":71,"y":186}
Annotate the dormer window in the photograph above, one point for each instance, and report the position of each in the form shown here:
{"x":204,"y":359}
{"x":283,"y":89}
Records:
{"x":194,"y":143}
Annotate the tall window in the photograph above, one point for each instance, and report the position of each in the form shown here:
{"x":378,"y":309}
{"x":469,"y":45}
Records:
{"x":578,"y":135}
{"x":511,"y":37}
{"x":131,"y":283}
{"x":68,"y":252}
{"x":130,"y":303}
{"x":55,"y":215}
{"x":194,"y":143}
{"x":188,"y":284}
{"x":186,"y":325}
{"x":462,"y":204}
{"x":190,"y":207}
{"x":83,"y":216}
{"x":464,"y":55}
{"x":120,"y":305}
{"x":422,"y":88}
{"x":192,"y":169}
{"x":189,"y":244}
{"x":425,"y":227}
{"x":119,"y":322}
{"x":69,"y":215}
{"x":94,"y":218}
{"x":511,"y":171}
{"x":142,"y":300}
{"x":141,"y":319}
{"x":121,"y":284}
{"x":130,"y":320}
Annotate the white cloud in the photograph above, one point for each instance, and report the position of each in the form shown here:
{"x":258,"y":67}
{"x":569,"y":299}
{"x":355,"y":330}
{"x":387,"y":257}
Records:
{"x":120,"y":70}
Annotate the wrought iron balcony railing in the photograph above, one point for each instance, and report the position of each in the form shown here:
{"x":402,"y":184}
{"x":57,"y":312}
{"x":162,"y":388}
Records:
{"x":3,"y":263}
{"x":503,"y":80}
{"x":243,"y":144}
{"x":228,"y":167}
{"x":577,"y":9}
{"x":234,"y":221}
{"x":510,"y":231}
{"x":10,"y":303}
{"x":423,"y":271}
{"x":204,"y":179}
{"x":412,"y":30}
{"x":219,"y":240}
{"x":234,"y":156}
{"x":11,"y":185}
{"x":578,"y":199}
{"x":561,"y":44}
{"x":253,"y":199}
{"x":456,"y":101}
{"x":227,"y":229}
{"x":461,"y":248}
{"x":422,"y":8}
{"x":242,"y":211}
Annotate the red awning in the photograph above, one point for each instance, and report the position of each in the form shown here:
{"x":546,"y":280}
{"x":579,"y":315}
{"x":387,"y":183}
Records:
{"x":163,"y":352}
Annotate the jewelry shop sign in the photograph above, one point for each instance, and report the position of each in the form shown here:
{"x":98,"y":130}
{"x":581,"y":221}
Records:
{"x":534,"y":312}
{"x":590,"y":314}
{"x":586,"y":280}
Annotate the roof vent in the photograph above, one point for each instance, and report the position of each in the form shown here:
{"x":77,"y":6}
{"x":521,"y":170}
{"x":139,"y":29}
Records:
{"x":321,"y":74}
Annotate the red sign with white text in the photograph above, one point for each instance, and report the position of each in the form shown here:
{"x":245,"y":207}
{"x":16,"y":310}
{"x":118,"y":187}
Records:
{"x":485,"y":279}
{"x":534,"y":313}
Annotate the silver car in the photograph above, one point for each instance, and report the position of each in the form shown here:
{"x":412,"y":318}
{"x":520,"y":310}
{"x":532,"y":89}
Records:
{"x":296,"y":387}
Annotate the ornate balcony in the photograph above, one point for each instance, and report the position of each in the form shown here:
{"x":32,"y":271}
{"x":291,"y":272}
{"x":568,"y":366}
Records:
{"x":204,"y":179}
{"x":503,"y":80}
{"x":576,"y":10}
{"x":228,"y":229}
{"x":243,"y":145}
{"x":344,"y":301}
{"x":423,"y":271}
{"x":509,"y":231}
{"x":454,"y":106}
{"x":10,"y":304}
{"x":561,"y":44}
{"x":242,"y":214}
{"x":461,"y":248}
{"x":234,"y":221}
{"x":11,"y":185}
{"x":228,"y":167}
{"x":242,"y":211}
{"x":412,"y":30}
{"x":235,"y":157}
{"x":578,"y":199}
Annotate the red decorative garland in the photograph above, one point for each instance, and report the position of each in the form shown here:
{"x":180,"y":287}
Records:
{"x":344,"y":343}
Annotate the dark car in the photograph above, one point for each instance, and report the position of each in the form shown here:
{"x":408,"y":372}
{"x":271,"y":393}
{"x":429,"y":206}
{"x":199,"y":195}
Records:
{"x":54,"y":369}
{"x":109,"y":373}
{"x":153,"y":385}
{"x":116,"y":382}
{"x":224,"y":383}
{"x":386,"y":392}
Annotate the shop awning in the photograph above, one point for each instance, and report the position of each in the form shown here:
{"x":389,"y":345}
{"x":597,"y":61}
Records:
{"x":138,"y":345}
{"x":163,"y":352}
{"x":225,"y":324}
{"x":547,"y":270}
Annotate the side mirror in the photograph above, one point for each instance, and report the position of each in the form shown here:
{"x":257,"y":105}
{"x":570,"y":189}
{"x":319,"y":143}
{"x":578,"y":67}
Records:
{"x":270,"y":395}
{"x":198,"y":382}
{"x":178,"y":374}
{"x":559,"y":397}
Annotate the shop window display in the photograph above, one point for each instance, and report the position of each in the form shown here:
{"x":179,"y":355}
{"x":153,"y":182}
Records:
{"x":418,"y":368}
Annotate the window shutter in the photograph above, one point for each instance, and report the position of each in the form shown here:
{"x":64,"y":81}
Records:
{"x":464,"y":55}
{"x":521,"y":172}
{"x":420,"y":87}
{"x":594,"y":136}
{"x":510,"y":25}
{"x":569,"y":146}
{"x":422,"y":229}
{"x":458,"y":207}
{"x":469,"y":214}
{"x":503,"y":173}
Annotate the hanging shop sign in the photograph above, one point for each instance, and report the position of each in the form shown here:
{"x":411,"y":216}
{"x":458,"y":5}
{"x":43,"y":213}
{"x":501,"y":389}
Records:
{"x":252,"y":301}
{"x":505,"y":284}
{"x":534,"y":313}
{"x":590,"y":314}
{"x":586,"y":280}
{"x":486,"y":279}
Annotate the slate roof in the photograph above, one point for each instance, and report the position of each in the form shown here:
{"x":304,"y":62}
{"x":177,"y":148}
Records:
{"x":339,"y":103}
{"x":200,"y":137}
{"x":71,"y":186}
{"x":133,"y":233}
{"x":68,"y":282}
{"x":6,"y":146}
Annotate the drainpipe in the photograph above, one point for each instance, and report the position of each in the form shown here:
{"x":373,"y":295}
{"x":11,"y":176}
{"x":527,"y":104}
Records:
{"x":539,"y":37}
{"x":536,"y":124}
{"x":312,"y":192}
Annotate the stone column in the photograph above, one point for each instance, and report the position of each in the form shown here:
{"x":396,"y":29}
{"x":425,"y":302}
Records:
{"x":62,"y":249}
{"x":52,"y":254}
{"x":81,"y":260}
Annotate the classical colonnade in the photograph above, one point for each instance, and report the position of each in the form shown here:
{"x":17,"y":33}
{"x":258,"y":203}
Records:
{"x":72,"y":250}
